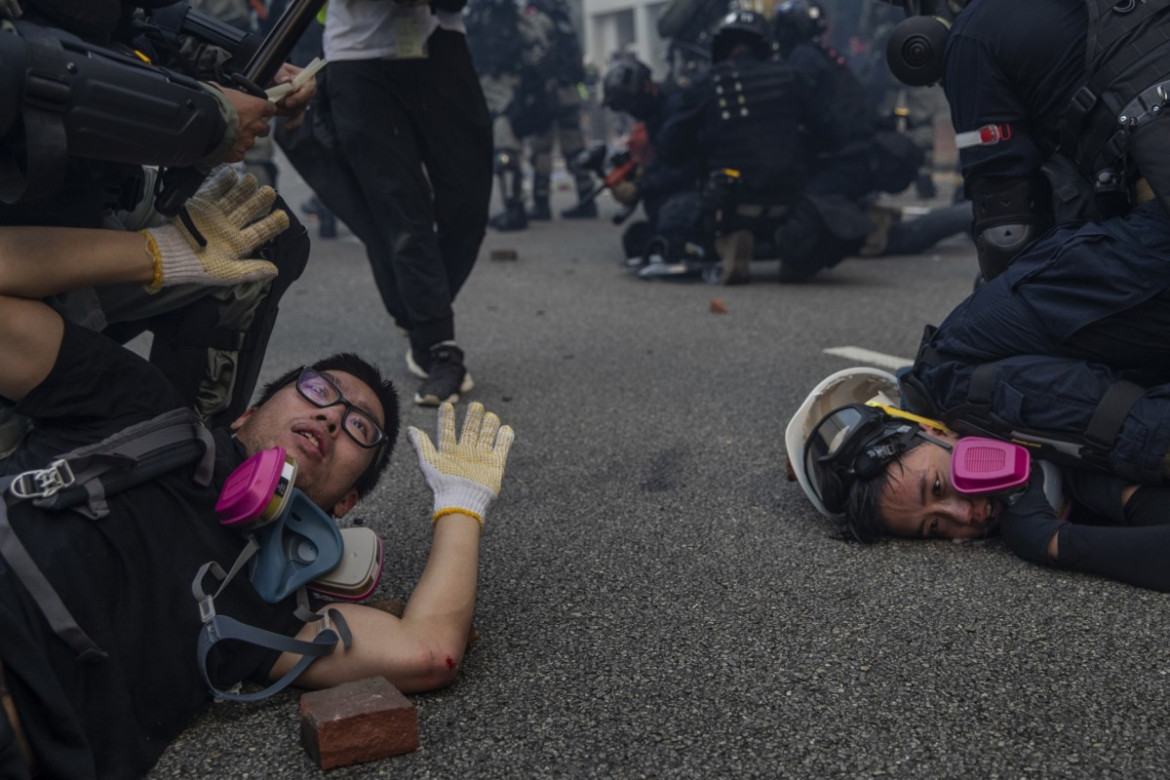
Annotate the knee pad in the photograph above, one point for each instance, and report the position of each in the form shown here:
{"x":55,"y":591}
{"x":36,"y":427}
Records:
{"x":1009,"y":214}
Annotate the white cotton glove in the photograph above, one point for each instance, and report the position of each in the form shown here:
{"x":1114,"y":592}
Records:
{"x":465,"y":475}
{"x":234,"y":217}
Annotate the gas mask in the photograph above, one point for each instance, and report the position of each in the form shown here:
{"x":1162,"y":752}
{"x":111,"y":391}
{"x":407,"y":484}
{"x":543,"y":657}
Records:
{"x":299,"y":544}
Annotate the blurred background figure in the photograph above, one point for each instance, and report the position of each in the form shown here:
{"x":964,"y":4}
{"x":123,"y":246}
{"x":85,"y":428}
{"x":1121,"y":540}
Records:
{"x":669,"y":195}
{"x":565,"y":71}
{"x":509,"y":48}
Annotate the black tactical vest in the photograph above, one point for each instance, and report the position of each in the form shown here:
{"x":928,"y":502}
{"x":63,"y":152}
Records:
{"x":1127,"y":62}
{"x":754,"y":125}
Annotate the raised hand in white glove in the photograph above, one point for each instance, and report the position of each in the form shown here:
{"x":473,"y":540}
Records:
{"x":464,"y":474}
{"x":231,"y":217}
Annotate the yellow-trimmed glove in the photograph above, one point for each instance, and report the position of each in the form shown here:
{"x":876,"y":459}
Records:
{"x":625,"y":192}
{"x":465,"y":475}
{"x":233,"y":216}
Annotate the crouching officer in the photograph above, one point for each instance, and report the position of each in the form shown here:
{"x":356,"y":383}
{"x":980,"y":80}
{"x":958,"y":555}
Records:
{"x":743,"y":123}
{"x":1057,"y":115}
{"x":669,"y":194}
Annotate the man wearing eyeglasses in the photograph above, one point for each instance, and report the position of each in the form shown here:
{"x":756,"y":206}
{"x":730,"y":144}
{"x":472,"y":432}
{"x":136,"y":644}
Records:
{"x":126,"y":579}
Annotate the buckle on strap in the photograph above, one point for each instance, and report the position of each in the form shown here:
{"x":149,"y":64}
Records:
{"x":43,"y":483}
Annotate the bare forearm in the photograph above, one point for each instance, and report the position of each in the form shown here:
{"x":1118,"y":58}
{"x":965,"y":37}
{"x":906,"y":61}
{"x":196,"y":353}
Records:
{"x":423,"y":649}
{"x":40,"y":261}
{"x":443,"y":601}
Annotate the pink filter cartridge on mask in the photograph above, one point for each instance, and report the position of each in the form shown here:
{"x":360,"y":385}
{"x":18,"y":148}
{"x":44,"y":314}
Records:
{"x":980,"y":466}
{"x":258,"y":490}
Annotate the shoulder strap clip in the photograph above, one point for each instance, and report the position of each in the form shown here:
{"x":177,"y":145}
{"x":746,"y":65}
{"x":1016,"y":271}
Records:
{"x":42,"y":483}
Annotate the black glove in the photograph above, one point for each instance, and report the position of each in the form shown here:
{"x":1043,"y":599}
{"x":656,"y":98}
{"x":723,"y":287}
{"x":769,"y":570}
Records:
{"x":1029,"y":523}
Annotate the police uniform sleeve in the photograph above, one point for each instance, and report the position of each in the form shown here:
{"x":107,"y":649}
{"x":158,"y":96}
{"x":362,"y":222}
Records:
{"x":231,"y":129}
{"x":989,"y":98}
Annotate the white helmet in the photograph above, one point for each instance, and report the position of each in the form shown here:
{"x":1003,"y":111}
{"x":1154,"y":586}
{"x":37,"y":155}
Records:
{"x":849,"y":386}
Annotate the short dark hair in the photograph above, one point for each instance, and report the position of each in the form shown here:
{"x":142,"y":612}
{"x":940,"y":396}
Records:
{"x":863,"y":518}
{"x":383,"y":388}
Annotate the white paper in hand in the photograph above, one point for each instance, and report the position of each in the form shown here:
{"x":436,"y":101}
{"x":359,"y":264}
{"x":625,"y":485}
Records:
{"x":278,"y":93}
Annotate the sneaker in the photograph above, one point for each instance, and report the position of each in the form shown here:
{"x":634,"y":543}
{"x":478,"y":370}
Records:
{"x":415,"y":364}
{"x":659,"y":268}
{"x":540,"y":210}
{"x":420,"y":366}
{"x":446,"y":377}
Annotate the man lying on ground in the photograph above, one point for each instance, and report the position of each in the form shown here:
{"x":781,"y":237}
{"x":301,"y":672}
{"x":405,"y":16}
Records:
{"x":99,"y":627}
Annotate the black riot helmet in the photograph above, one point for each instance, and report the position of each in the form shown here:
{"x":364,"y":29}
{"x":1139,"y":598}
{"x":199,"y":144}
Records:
{"x":628,"y":87}
{"x":797,"y":20}
{"x":741,"y":27}
{"x":917,"y":47}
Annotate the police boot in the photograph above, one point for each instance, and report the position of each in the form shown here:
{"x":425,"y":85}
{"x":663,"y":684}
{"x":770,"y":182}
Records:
{"x":511,"y":218}
{"x":512,"y":190}
{"x":913,"y":236}
{"x":540,"y":209}
{"x":585,"y":209}
{"x":735,"y":251}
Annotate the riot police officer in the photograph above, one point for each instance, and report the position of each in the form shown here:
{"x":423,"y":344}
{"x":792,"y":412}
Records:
{"x":1064,"y":344}
{"x":669,"y":194}
{"x":1043,"y":137}
{"x":564,"y":69}
{"x":837,"y":216}
{"x":508,"y":49}
{"x":744,"y":123}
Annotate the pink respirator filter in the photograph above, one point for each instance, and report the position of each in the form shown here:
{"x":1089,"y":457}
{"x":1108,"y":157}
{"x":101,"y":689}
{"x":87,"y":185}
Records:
{"x":981,"y":466}
{"x":258,"y":490}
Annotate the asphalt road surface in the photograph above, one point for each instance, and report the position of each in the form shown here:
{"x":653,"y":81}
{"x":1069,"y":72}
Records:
{"x":656,"y":599}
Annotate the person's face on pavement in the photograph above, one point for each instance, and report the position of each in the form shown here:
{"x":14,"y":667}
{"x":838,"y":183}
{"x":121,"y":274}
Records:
{"x":919,"y":501}
{"x":329,"y":462}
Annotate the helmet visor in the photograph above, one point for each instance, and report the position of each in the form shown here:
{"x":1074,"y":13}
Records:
{"x":850,"y":443}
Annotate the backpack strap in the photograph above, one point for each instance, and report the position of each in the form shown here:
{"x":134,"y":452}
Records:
{"x":217,"y":628}
{"x":42,"y":592}
{"x":138,"y":453}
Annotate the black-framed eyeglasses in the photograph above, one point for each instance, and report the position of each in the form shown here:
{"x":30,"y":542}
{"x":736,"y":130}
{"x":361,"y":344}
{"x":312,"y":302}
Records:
{"x":359,"y":425}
